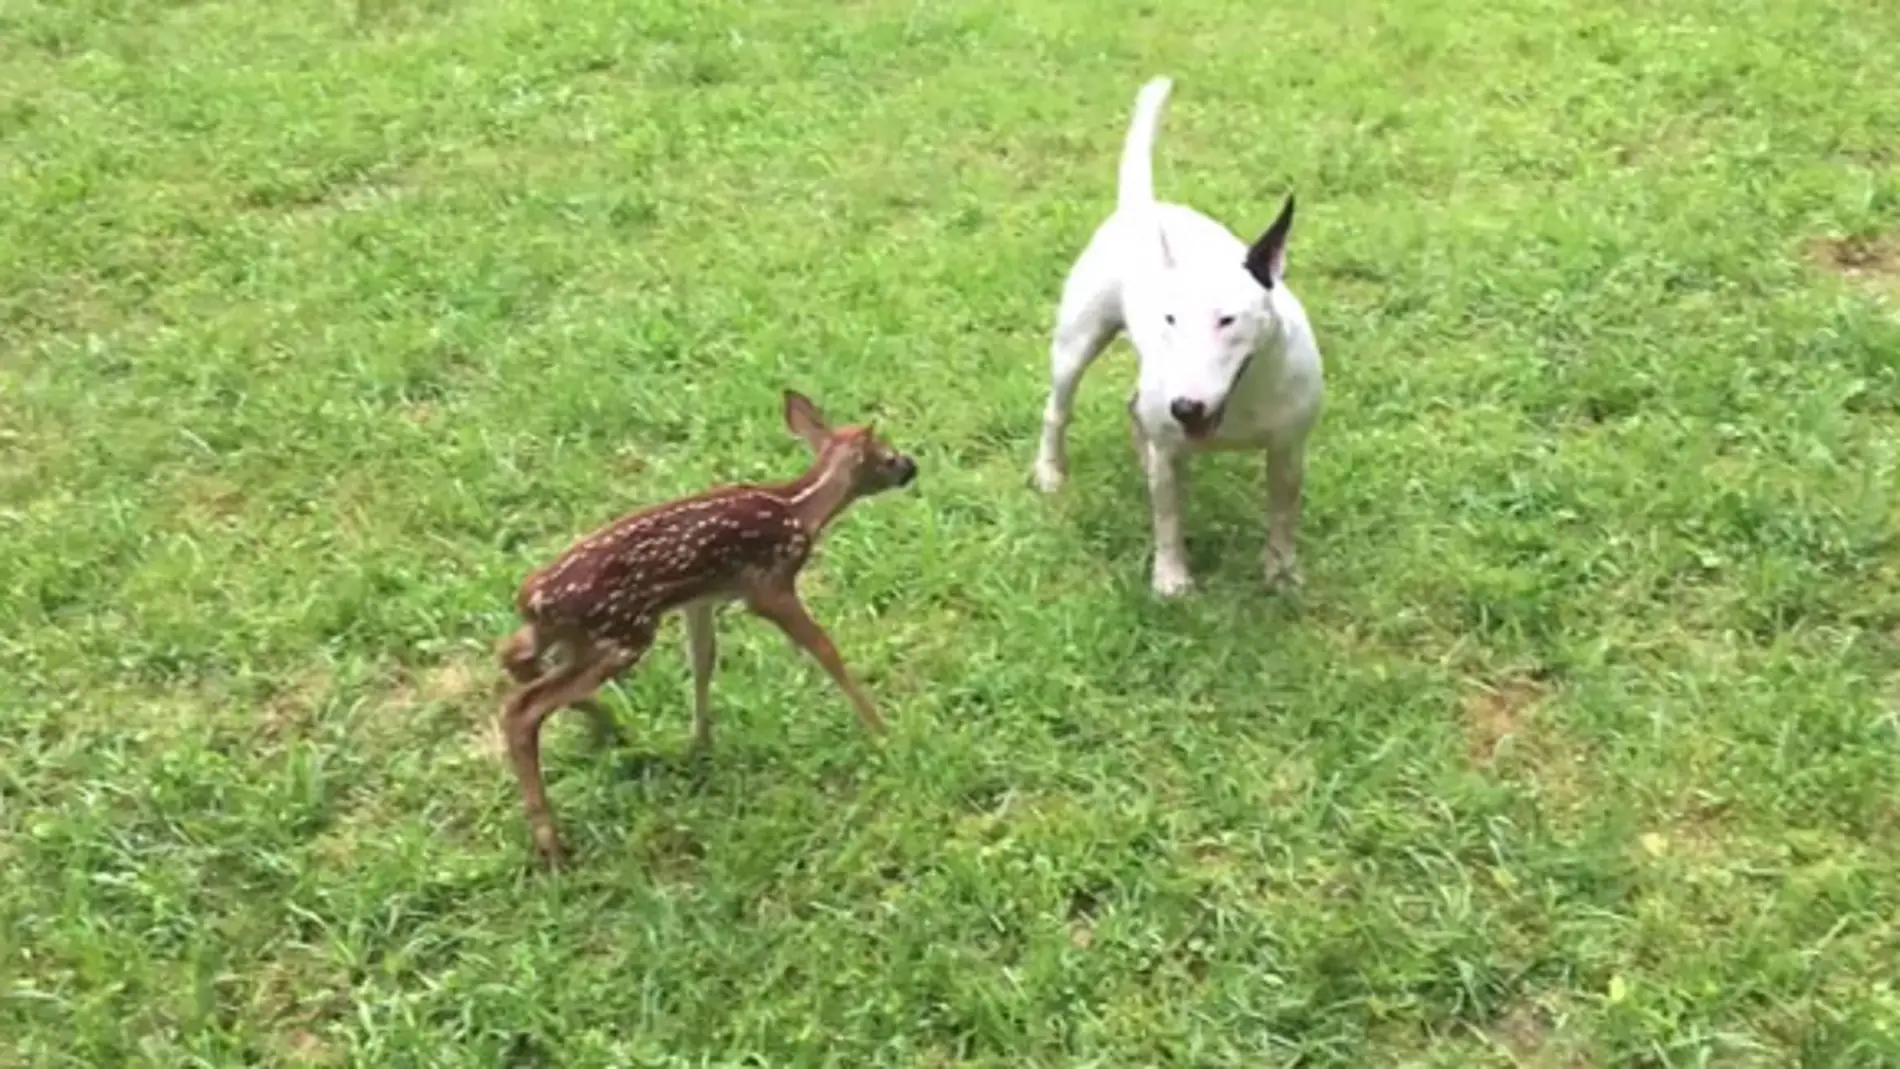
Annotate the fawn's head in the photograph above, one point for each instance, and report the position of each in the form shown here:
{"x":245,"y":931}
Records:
{"x":866,"y":463}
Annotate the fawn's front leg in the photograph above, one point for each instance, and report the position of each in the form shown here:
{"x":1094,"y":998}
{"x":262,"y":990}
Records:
{"x":781,"y":605}
{"x":701,"y":641}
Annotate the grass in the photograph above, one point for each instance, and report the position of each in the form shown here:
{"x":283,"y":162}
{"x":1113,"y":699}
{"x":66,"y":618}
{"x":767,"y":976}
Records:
{"x":323,"y":323}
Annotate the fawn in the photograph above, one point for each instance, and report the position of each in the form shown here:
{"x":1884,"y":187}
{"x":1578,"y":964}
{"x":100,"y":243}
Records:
{"x":600,"y":603}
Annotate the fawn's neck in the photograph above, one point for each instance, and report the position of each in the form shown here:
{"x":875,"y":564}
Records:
{"x":822,"y":492}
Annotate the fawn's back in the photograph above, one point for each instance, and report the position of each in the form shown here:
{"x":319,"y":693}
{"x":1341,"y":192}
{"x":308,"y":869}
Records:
{"x":648,"y":562}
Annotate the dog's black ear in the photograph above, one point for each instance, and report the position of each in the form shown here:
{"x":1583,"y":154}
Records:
{"x":1266,"y":261}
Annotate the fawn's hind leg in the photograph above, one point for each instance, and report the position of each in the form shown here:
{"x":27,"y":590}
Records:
{"x":520,"y":654}
{"x":591,"y":665}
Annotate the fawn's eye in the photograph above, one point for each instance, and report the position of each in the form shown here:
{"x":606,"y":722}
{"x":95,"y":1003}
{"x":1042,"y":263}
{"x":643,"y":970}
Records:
{"x":1225,"y":322}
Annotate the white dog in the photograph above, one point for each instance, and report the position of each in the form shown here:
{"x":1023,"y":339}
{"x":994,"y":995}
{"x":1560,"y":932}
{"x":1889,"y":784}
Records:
{"x":1227,"y":356}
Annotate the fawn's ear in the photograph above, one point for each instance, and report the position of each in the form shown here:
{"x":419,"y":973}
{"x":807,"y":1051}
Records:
{"x":1266,"y":260}
{"x":803,"y":419}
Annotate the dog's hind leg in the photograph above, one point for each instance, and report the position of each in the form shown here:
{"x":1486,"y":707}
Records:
{"x":1087,"y":320}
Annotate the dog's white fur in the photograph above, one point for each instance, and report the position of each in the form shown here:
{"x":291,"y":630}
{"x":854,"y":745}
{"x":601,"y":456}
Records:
{"x":1212,"y":322}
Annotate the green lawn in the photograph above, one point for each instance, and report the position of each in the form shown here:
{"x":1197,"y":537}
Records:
{"x":322,"y":323}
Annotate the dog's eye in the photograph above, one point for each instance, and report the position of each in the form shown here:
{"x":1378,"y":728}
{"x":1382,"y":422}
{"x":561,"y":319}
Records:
{"x":1225,"y":322}
{"x":1169,"y":318}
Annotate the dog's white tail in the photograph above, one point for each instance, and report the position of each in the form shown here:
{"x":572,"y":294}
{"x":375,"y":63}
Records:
{"x":1137,"y":181}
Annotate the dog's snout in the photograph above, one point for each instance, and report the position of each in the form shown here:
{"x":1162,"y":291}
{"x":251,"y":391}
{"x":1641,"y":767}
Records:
{"x":906,"y":470}
{"x":1189,"y":414}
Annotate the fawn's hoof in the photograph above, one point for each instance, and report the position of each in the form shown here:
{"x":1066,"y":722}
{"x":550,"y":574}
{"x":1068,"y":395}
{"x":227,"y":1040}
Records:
{"x":1282,"y":573}
{"x":549,"y":853}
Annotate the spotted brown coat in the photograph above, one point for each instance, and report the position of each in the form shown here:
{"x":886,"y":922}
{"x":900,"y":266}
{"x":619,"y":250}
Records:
{"x":599,"y":603}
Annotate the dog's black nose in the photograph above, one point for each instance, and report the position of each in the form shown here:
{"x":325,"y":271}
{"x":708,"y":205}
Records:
{"x":1190,"y":414}
{"x":906,"y":471}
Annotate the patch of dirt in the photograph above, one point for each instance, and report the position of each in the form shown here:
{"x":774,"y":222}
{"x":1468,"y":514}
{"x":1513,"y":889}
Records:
{"x":1700,"y":828}
{"x":1511,"y":733}
{"x":451,"y":692}
{"x":1523,"y":1030}
{"x":210,"y":501}
{"x":462,"y":683}
{"x":1886,"y":820}
{"x":486,"y":741}
{"x":673,"y":854}
{"x":321,"y":194}
{"x":1496,"y":715}
{"x":400,"y":694}
{"x":1529,"y":1033}
{"x":449,"y":681}
{"x":289,"y":711}
{"x":303,"y":1047}
{"x":1868,"y":261}
{"x":1860,"y":253}
{"x":299,"y":996}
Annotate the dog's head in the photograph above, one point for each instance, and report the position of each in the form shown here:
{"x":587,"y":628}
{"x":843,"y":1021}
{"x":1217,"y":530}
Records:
{"x":1214,"y":317}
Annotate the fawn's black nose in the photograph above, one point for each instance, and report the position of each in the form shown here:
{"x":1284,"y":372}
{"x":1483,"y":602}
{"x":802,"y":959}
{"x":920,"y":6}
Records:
{"x":1192,"y":415}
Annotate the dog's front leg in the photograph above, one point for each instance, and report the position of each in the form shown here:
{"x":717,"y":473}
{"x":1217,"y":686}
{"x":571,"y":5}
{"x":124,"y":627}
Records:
{"x":1164,"y":468}
{"x":1286,"y":466}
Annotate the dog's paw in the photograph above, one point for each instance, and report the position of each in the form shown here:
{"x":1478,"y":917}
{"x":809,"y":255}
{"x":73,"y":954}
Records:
{"x":1048,"y":476}
{"x":1171,"y":581}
